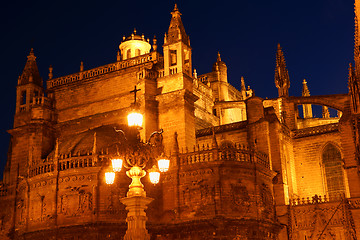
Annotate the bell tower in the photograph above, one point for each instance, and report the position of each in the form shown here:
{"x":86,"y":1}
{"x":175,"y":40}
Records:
{"x":29,"y":86}
{"x":32,"y":136}
{"x":176,"y":101}
{"x":177,"y":50}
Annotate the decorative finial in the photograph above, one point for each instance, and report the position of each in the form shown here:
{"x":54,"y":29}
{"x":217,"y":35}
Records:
{"x":305,"y":89}
{"x":176,"y":8}
{"x":124,"y":38}
{"x":195,"y":73}
{"x":134,"y":31}
{"x":81,"y":66}
{"x":31,"y":55}
{"x":118,"y":56}
{"x":325,"y":112}
{"x":214,"y":142}
{"x":249,"y":92}
{"x":218,"y":57}
{"x":154,"y":44}
{"x":143,"y":37}
{"x":50,"y":72}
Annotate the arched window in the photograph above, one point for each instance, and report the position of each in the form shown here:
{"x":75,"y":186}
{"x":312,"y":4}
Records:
{"x":334,"y":174}
{"x":137,"y":52}
{"x":128,"y":54}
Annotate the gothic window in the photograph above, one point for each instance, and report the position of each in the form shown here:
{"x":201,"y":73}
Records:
{"x":334,"y":175}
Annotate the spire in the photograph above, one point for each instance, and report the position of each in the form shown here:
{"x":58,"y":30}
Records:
{"x":176,"y":30}
{"x":307,"y":108}
{"x":31,"y":71}
{"x":305,"y":89}
{"x":243,"y":88}
{"x":282,"y":80}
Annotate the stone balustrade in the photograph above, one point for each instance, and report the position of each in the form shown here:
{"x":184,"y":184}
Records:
{"x":37,"y":101}
{"x":238,"y":153}
{"x":112,"y":67}
{"x":65,"y":162}
{"x":315,"y":200}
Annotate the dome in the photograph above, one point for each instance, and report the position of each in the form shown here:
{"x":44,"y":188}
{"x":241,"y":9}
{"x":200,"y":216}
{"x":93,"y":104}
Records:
{"x":133,"y":46}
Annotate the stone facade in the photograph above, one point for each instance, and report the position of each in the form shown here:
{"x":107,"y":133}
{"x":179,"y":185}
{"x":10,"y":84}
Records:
{"x":242,"y":167}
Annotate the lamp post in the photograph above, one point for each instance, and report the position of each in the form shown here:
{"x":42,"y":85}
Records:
{"x":136,"y":155}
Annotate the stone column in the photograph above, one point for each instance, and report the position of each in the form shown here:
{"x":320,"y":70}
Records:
{"x":136,"y":217}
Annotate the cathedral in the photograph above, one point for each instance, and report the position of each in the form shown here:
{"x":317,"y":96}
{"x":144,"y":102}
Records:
{"x":241,"y":166}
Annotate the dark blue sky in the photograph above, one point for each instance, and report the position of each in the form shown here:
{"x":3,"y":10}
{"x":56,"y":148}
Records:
{"x":316,"y":37}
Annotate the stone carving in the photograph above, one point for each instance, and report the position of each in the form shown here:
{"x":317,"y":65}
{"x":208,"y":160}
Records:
{"x":39,"y":211}
{"x":267,"y":208}
{"x":114,"y":206}
{"x":198,"y":198}
{"x":319,"y":227}
{"x":75,"y":202}
{"x":240,"y":197}
{"x":21,"y":211}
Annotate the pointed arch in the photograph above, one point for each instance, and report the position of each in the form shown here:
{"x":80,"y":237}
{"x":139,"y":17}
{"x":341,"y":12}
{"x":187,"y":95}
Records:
{"x":333,"y":170}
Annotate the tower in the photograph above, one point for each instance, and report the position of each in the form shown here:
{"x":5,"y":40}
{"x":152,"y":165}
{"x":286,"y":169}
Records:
{"x":176,"y":84}
{"x":32,"y":136}
{"x":177,"y":50}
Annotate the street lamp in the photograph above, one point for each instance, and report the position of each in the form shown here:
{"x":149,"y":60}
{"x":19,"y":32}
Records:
{"x":136,"y":155}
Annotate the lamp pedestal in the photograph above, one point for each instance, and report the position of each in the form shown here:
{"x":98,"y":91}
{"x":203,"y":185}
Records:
{"x":136,"y":217}
{"x":136,"y":203}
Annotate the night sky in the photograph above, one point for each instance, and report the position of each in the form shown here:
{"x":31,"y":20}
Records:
{"x":316,"y":37}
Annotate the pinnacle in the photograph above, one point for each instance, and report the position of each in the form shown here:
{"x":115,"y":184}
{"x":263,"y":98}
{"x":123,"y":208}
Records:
{"x":218,"y":57}
{"x":31,"y":56}
{"x":176,"y":9}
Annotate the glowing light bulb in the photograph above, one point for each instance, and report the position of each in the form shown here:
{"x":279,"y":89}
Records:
{"x":135,"y":119}
{"x":154,"y":177}
{"x":109,"y":177}
{"x":117,"y":164}
{"x":163,"y":164}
